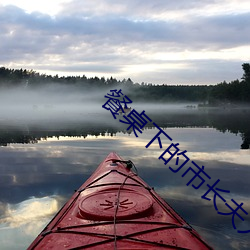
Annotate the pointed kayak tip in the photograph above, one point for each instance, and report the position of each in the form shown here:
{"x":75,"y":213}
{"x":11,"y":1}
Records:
{"x":113,"y":156}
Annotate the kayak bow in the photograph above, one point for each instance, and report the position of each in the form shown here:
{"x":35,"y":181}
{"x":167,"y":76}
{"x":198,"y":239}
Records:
{"x":116,"y":209}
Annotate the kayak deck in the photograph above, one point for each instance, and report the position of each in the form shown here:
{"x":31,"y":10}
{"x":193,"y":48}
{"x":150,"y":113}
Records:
{"x":116,"y":209}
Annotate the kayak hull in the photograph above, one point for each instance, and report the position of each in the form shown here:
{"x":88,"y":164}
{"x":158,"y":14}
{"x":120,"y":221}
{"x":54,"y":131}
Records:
{"x":116,"y":209}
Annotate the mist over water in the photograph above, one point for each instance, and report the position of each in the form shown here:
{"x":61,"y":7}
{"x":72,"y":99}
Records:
{"x":52,"y":103}
{"x":59,"y":105}
{"x":79,"y":133}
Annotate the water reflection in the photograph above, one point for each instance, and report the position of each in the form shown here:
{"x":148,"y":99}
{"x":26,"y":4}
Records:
{"x":21,"y":221}
{"x":234,"y":121}
{"x":36,"y":179}
{"x":33,"y":209}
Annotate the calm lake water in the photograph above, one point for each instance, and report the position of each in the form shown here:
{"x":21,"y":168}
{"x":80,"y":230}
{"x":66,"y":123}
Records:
{"x":44,"y":158}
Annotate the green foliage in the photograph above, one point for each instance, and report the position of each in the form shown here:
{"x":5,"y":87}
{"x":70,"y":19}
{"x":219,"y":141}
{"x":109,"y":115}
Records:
{"x":246,"y":75}
{"x":234,"y":92}
{"x":220,"y":94}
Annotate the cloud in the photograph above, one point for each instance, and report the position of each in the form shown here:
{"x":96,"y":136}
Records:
{"x":29,"y":210}
{"x":137,"y":9}
{"x":125,"y":39}
{"x":115,"y":30}
{"x":26,"y":220}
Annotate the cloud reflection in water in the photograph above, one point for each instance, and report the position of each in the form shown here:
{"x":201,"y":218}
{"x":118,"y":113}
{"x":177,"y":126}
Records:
{"x":25,"y":220}
{"x":60,"y":166}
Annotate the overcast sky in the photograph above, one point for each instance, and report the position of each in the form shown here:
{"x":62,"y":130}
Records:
{"x":157,"y":41}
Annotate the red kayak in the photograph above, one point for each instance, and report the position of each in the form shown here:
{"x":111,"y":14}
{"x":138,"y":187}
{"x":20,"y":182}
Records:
{"x":116,"y":209}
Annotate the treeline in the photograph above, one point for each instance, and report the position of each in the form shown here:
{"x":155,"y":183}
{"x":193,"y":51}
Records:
{"x":237,"y":91}
{"x":234,"y":92}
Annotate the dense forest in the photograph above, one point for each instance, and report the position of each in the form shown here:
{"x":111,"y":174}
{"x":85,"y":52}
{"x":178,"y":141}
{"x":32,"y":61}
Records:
{"x":234,"y":92}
